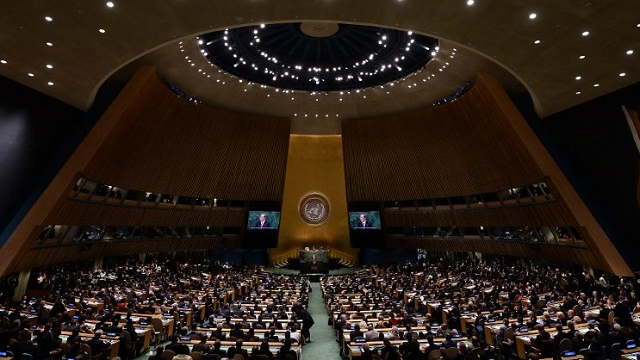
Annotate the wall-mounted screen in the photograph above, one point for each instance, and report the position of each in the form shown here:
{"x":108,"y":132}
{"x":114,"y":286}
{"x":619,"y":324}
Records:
{"x":263,"y":220}
{"x":365,"y":220}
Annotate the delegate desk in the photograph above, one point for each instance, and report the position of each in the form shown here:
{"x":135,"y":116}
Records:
{"x":525,"y":339}
{"x":114,"y":341}
{"x":346,"y":336}
{"x":140,"y":320}
{"x":274,"y":347}
{"x":143,"y":331}
{"x":355,"y":350}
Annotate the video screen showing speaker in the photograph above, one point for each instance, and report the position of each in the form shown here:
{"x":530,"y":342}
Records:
{"x":366,"y":225}
{"x":263,"y":220}
{"x":263,"y":223}
{"x":365,"y":220}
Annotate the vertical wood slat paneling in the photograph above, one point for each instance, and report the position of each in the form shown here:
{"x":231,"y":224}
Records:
{"x":80,"y":213}
{"x":464,"y":147}
{"x":165,"y":144}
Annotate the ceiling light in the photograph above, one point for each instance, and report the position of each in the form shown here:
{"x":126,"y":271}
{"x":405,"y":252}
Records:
{"x":622,"y":74}
{"x":50,"y":83}
{"x":49,"y":43}
{"x":596,"y":85}
{"x":578,"y":77}
{"x":49,"y":66}
{"x":537,"y":42}
{"x":578,"y":92}
{"x":3,"y":61}
{"x":48,"y":18}
{"x":582,"y":57}
{"x":533,"y":16}
{"x":585,"y":33}
{"x":102,"y":31}
{"x":629,"y":52}
{"x":110,"y":4}
{"x":31,"y":74}
{"x":470,"y":2}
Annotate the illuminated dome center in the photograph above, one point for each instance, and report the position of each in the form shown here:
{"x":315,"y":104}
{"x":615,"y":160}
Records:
{"x":318,"y":56}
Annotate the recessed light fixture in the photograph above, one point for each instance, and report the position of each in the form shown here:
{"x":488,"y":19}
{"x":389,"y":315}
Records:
{"x":533,"y":16}
{"x":48,"y":18}
{"x":49,"y":43}
{"x":638,"y":25}
{"x":622,"y":74}
{"x":110,"y":4}
{"x":629,"y":52}
{"x":30,"y":74}
{"x":585,"y":33}
{"x":582,"y":57}
{"x":102,"y":31}
{"x":3,"y":61}
{"x":49,"y":66}
{"x":578,"y":92}
{"x":537,"y":42}
{"x":50,"y":83}
{"x":578,"y":77}
{"x":596,"y":85}
{"x":470,"y":2}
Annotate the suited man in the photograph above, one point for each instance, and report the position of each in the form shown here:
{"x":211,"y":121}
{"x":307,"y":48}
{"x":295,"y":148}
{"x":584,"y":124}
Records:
{"x":237,"y":350}
{"x":363,"y":223}
{"x":262,"y":222}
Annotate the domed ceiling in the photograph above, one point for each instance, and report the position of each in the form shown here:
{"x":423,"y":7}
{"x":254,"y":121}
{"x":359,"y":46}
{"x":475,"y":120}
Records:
{"x":318,"y":56}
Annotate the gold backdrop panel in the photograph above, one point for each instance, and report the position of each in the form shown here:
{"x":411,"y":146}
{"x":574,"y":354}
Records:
{"x":315,"y":165}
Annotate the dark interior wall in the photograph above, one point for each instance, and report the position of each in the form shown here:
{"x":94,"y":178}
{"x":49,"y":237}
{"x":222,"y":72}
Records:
{"x":593,"y":145}
{"x":37,"y":135}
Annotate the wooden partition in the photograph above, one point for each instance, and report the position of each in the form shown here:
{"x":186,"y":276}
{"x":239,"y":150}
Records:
{"x":477,"y":144}
{"x":152,"y":140}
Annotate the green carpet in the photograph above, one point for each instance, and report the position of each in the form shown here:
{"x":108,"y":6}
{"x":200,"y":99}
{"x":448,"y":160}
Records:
{"x":323,"y":343}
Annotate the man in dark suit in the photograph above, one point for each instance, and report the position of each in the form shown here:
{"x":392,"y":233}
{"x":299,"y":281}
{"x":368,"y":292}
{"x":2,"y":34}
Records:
{"x":363,"y":223}
{"x":262,"y":222}
{"x":237,"y":350}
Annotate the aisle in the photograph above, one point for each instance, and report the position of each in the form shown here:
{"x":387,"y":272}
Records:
{"x":323,"y":343}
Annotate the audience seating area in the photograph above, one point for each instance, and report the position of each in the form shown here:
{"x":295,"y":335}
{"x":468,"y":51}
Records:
{"x":478,"y":310}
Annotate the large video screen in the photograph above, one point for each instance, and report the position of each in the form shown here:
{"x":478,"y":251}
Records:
{"x":365,"y":220}
{"x":263,"y":220}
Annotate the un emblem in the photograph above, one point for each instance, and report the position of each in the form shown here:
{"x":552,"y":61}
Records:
{"x":314,"y":209}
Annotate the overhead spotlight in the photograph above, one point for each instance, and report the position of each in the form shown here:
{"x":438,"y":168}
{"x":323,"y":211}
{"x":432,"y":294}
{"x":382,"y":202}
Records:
{"x":470,"y":2}
{"x":48,"y":18}
{"x":533,"y":16}
{"x":110,"y":4}
{"x":585,"y":33}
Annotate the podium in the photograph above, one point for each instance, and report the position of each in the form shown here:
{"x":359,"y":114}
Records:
{"x":314,"y":261}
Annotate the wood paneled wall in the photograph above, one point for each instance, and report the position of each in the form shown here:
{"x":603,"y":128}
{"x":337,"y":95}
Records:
{"x":150,"y":139}
{"x":166,"y":144}
{"x":466,"y":147}
{"x":477,"y":144}
{"x":548,"y":214}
